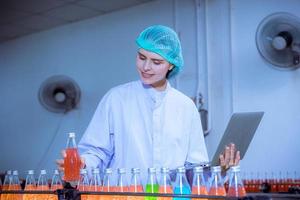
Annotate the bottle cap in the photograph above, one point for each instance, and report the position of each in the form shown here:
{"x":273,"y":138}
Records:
{"x":108,"y":171}
{"x":164,"y":170}
{"x":56,"y":172}
{"x":181,"y":169}
{"x":121,"y":170}
{"x":31,"y":172}
{"x":135,"y":170}
{"x":43,"y":172}
{"x":235,"y":168}
{"x":83,"y":171}
{"x":96,"y":171}
{"x":151,"y":170}
{"x":8,"y":172}
{"x":15,"y":172}
{"x":198,"y":169}
{"x":72,"y":134}
{"x":216,"y":169}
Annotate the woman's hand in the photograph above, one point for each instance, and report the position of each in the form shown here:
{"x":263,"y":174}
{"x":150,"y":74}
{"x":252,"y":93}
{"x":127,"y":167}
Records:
{"x":230,"y":157}
{"x":60,"y":162}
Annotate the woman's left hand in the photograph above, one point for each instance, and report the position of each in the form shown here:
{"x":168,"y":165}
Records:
{"x":230,"y":157}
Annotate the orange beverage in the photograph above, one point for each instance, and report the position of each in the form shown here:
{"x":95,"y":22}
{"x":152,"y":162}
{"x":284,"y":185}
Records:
{"x":42,"y":196}
{"x":29,"y":196}
{"x":72,"y":165}
{"x":219,"y":191}
{"x":201,"y":190}
{"x":236,"y":192}
{"x":15,"y":187}
{"x":165,"y":189}
{"x":138,"y":189}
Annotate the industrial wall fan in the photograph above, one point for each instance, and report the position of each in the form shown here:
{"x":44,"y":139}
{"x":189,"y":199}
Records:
{"x":59,"y":94}
{"x":278,"y":40}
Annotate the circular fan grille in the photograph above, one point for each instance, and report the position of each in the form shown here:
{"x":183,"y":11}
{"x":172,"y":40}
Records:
{"x":278,"y":40}
{"x":59,"y":94}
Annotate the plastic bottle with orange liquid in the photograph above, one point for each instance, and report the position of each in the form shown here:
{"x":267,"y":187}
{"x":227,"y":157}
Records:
{"x":14,"y":184}
{"x":95,"y":184}
{"x":122,"y":184}
{"x":7,"y":178}
{"x":30,"y":185}
{"x":83,"y":184}
{"x":199,"y":184}
{"x":43,"y":185}
{"x":135,"y":184}
{"x":216,"y":185}
{"x":236,"y":186}
{"x":72,"y":162}
{"x":56,"y":183}
{"x":165,"y":184}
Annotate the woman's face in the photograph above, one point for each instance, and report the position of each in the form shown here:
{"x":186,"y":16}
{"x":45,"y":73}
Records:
{"x":152,"y":69}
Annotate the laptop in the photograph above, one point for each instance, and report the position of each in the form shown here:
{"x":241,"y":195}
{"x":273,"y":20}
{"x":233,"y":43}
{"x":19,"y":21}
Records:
{"x":240,"y":131}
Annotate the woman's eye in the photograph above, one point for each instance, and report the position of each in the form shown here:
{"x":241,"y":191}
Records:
{"x":142,"y":57}
{"x":156,"y":62}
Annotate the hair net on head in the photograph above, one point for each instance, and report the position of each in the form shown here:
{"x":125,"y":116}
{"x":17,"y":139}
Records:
{"x":165,"y":42}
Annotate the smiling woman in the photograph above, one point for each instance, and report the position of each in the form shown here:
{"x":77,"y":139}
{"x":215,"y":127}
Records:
{"x":144,"y":123}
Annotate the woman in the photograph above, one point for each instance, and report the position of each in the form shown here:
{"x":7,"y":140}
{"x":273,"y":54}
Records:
{"x":148,"y":123}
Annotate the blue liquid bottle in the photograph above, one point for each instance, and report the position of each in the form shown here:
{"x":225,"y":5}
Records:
{"x":181,"y":185}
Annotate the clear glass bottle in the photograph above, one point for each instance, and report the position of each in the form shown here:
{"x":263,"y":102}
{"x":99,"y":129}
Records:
{"x":43,"y":185}
{"x":181,"y":185}
{"x":84,"y":184}
{"x":165,"y":184}
{"x":199,"y":184}
{"x":108,"y":185}
{"x":135,"y":181}
{"x":95,"y":184}
{"x":152,"y":185}
{"x":236,"y":186}
{"x":6,"y":183}
{"x":15,"y":185}
{"x":30,"y":185}
{"x":216,"y":182}
{"x":135,"y":184}
{"x":56,"y":183}
{"x":72,"y":162}
{"x":122,"y":185}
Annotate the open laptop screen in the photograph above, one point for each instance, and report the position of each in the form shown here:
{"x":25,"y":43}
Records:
{"x":240,"y":131}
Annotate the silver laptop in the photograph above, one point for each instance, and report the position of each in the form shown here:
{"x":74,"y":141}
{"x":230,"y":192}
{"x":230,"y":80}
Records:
{"x":240,"y":131}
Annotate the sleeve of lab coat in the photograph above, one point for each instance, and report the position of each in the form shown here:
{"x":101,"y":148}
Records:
{"x":197,"y":152}
{"x":96,"y":146}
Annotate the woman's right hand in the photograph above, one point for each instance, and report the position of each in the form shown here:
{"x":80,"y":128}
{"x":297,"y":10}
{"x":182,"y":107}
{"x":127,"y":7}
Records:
{"x":60,"y":162}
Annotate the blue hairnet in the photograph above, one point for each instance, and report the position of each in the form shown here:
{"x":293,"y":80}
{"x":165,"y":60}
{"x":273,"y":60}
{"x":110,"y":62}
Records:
{"x":165,"y":42}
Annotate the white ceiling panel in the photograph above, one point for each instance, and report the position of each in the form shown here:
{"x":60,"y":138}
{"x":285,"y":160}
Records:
{"x":72,"y":12}
{"x":22,"y":17}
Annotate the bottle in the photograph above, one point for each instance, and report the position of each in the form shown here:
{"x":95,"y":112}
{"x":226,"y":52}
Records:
{"x":122,"y":185}
{"x":199,"y":184}
{"x":236,"y":186}
{"x":95,"y":184}
{"x":14,"y":184}
{"x":42,"y":185}
{"x":181,"y":185}
{"x":30,"y":185}
{"x":135,"y":184}
{"x":72,"y":161}
{"x":152,"y":184}
{"x":83,"y":184}
{"x":6,"y":182}
{"x":56,"y":183}
{"x":216,"y":183}
{"x":165,"y":185}
{"x":108,"y":184}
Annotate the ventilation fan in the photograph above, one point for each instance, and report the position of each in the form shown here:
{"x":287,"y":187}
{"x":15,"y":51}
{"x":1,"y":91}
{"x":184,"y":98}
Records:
{"x":278,"y":40}
{"x":59,"y":94}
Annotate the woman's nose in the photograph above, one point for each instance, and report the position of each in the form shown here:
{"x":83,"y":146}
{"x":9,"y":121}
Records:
{"x":147,"y":65}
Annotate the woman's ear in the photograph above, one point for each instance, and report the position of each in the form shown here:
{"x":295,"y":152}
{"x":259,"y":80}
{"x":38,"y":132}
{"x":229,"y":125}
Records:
{"x":171,"y":67}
